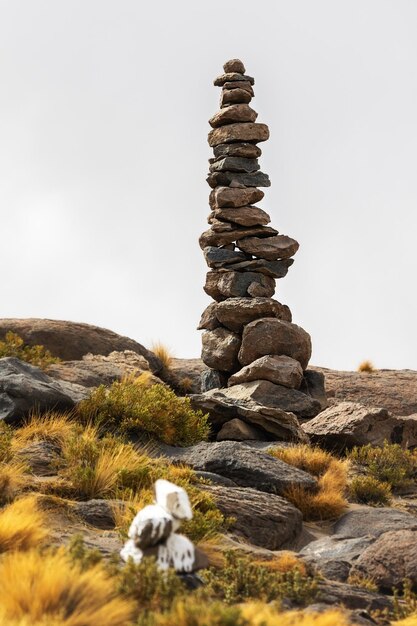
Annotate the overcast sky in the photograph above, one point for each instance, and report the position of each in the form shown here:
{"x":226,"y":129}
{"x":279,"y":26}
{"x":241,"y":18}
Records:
{"x":103,"y":157}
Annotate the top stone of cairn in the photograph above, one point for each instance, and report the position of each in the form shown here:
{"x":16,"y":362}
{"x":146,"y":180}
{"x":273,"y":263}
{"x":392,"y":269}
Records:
{"x":235,"y":66}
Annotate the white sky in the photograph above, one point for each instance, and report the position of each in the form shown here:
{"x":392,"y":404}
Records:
{"x":103,"y":157}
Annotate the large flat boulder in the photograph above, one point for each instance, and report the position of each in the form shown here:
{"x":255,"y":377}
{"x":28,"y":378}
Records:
{"x":281,"y":370}
{"x":24,"y":388}
{"x":235,"y":313}
{"x":262,"y":519}
{"x":372,"y":522}
{"x":71,"y":340}
{"x":246,"y":466}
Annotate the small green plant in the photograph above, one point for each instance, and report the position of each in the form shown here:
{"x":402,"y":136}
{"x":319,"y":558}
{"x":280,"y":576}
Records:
{"x":83,"y":556}
{"x":370,"y":490}
{"x":130,"y":405}
{"x":389,"y":464}
{"x":357,"y":580}
{"x":405,"y":603}
{"x":241,"y":579}
{"x":13,"y":345}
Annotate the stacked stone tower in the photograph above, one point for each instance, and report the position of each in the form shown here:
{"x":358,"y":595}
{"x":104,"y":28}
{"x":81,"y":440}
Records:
{"x":250,"y":344}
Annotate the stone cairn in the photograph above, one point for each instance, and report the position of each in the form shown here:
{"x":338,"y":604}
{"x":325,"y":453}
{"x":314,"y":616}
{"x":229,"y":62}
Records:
{"x":257,"y":386}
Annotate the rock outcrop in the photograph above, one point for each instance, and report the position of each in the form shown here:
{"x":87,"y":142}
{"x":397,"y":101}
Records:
{"x":249,"y":338}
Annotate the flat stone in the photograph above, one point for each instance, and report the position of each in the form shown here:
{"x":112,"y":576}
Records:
{"x":238,"y":430}
{"x":250,"y":179}
{"x":239,"y":84}
{"x":232,"y":133}
{"x":276,"y":269}
{"x":235,"y":113}
{"x":244,"y":216}
{"x":220,"y":349}
{"x":264,"y":520}
{"x":235,"y":313}
{"x":232,"y":77}
{"x":275,"y":336}
{"x":234,"y":96}
{"x":235,"y":164}
{"x":245,"y":150}
{"x":220,"y":285}
{"x":217,"y":257}
{"x":224,"y":197}
{"x":350,"y":424}
{"x":368,"y":521}
{"x":281,"y":370}
{"x":335,"y":594}
{"x":225,"y":404}
{"x":234,"y":65}
{"x":212,"y":238}
{"x":272,"y":248}
{"x":246,"y":466}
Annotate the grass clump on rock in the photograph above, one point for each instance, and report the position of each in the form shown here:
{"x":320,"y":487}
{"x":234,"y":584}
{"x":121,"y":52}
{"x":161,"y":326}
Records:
{"x":329,"y":501}
{"x":390,"y":464}
{"x":370,"y":490}
{"x":132,"y":406}
{"x":13,"y":345}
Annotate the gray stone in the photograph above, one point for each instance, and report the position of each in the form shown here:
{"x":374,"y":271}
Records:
{"x":220,"y":349}
{"x":245,"y":150}
{"x":216,"y":479}
{"x":40,"y":457}
{"x":232,"y":77}
{"x":244,"y":216}
{"x":372,"y":522}
{"x":24,"y":387}
{"x":235,"y":66}
{"x":98,"y":513}
{"x":264,"y":520}
{"x":237,"y":133}
{"x":335,"y":593}
{"x":313,"y":384}
{"x":274,"y":336}
{"x":234,"y":164}
{"x":217,"y":257}
{"x":238,"y":430}
{"x":281,"y":370}
{"x":220,"y":285}
{"x":271,"y":248}
{"x":235,"y":313}
{"x":244,"y":465}
{"x":235,"y":113}
{"x":223,"y":197}
{"x":334,"y":556}
{"x":275,"y":269}
{"x":251,"y":179}
{"x":212,"y":379}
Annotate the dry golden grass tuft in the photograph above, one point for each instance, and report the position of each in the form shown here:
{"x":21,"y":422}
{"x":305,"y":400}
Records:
{"x":286,"y":562}
{"x":163,"y":353}
{"x":51,"y":426}
{"x":329,"y":501}
{"x":13,"y":478}
{"x":22,"y":525}
{"x":49,"y":588}
{"x":260,"y":614}
{"x":408,"y":621}
{"x":367,"y":367}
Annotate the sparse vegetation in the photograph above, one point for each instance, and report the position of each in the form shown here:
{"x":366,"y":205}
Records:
{"x":389,"y":464}
{"x":22,"y":526}
{"x":155,"y":410}
{"x":357,"y":580}
{"x":13,"y":345}
{"x":50,"y":426}
{"x":329,"y":501}
{"x":163,"y":353}
{"x":405,"y":604}
{"x":370,"y":490}
{"x":366,"y":367}
{"x":12,"y":479}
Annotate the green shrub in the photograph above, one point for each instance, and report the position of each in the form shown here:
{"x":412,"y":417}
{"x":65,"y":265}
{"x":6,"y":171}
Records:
{"x":131,"y":405}
{"x":405,"y":602}
{"x":241,"y":579}
{"x":369,"y":490}
{"x":389,"y":464}
{"x":13,"y":345}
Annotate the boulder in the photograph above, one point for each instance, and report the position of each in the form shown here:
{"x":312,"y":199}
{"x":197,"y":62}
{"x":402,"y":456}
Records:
{"x":246,"y":466}
{"x":274,"y":336}
{"x":221,"y":285}
{"x":234,"y":65}
{"x":313,"y":384}
{"x":390,"y":560}
{"x":264,"y":520}
{"x":271,"y":248}
{"x":372,"y":522}
{"x":234,"y":197}
{"x":249,"y":179}
{"x":281,"y":370}
{"x":211,"y":379}
{"x":335,"y":593}
{"x":235,"y":313}
{"x":238,"y":430}
{"x":244,"y":216}
{"x":223,"y":405}
{"x":233,"y":113}
{"x":243,"y":132}
{"x":350,"y":424}
{"x":334,"y":556}
{"x":99,"y":513}
{"x":220,"y":349}
{"x":24,"y":388}
{"x":70,"y":341}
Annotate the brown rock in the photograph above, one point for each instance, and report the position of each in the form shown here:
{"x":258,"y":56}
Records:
{"x":390,"y":560}
{"x":237,"y":430}
{"x":272,"y":248}
{"x":350,"y":597}
{"x":265,"y":520}
{"x":235,"y":66}
{"x":281,"y":370}
{"x":230,"y":233}
{"x":239,"y":84}
{"x":245,"y":150}
{"x":233,"y":114}
{"x":71,"y":341}
{"x":220,"y":285}
{"x":244,"y":216}
{"x":234,"y":96}
{"x":232,"y":133}
{"x":234,"y":164}
{"x":235,"y":313}
{"x":220,"y":349}
{"x":224,"y":197}
{"x":247,"y":179}
{"x":350,"y":424}
{"x":232,"y":77}
{"x":275,"y":336}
